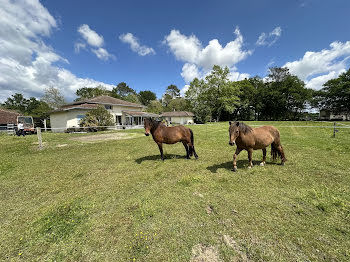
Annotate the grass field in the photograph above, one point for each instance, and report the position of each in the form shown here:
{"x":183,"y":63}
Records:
{"x":115,"y":200}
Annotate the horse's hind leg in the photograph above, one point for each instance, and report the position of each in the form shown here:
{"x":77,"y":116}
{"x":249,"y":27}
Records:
{"x":187,"y":149}
{"x":250,"y":157}
{"x":264,"y":157}
{"x":194,"y":152}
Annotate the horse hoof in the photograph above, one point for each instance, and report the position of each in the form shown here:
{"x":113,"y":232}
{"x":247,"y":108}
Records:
{"x":262,"y":164}
{"x":282,"y":164}
{"x":249,"y":167}
{"x":234,"y":169}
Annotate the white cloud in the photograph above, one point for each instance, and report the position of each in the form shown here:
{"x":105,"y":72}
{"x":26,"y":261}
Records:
{"x":270,"y":38}
{"x":90,"y":36}
{"x":27,"y":64}
{"x":135,"y":46}
{"x":190,"y":72}
{"x":95,"y":40}
{"x":199,"y":60}
{"x":78,"y":46}
{"x":102,"y":54}
{"x":315,"y":68}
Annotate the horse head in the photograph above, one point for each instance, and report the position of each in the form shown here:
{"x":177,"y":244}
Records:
{"x":233,"y":132}
{"x":148,"y":124}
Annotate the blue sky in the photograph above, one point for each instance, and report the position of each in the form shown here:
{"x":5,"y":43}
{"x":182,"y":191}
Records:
{"x":152,"y":44}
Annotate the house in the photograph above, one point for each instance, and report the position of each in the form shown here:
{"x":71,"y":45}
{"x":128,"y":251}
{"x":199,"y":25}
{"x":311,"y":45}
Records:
{"x":125,"y":114}
{"x":178,"y":117}
{"x":326,"y":114}
{"x":8,"y":117}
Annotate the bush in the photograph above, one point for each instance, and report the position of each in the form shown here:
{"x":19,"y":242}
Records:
{"x":98,"y":119}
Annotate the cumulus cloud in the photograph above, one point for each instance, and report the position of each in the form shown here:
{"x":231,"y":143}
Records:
{"x":270,"y":38}
{"x":199,"y":60}
{"x":315,"y":68}
{"x":93,"y":39}
{"x":90,"y":36}
{"x":27,"y":64}
{"x":135,"y":46}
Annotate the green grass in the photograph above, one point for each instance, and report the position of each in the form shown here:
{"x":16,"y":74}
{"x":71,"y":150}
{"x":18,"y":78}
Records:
{"x":116,"y":200}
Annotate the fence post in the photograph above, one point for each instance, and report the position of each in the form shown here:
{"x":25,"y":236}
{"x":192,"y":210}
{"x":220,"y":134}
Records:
{"x":334,"y":129}
{"x":38,"y":132}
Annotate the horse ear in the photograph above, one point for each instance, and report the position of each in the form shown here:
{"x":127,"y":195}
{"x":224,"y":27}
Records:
{"x":230,"y":123}
{"x":237,"y":123}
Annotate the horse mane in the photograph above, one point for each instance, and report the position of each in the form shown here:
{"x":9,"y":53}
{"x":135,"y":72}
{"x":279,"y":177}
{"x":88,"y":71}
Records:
{"x":243,"y":127}
{"x":155,"y":123}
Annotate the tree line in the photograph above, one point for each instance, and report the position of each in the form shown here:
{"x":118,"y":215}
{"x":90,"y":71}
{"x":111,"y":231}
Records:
{"x":279,"y":96}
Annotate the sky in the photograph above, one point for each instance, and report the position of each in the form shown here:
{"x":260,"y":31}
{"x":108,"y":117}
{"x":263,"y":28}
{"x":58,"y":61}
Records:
{"x":152,"y":44}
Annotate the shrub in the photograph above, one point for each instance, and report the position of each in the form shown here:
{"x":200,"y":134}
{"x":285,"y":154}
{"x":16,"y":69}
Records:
{"x":97,"y":119}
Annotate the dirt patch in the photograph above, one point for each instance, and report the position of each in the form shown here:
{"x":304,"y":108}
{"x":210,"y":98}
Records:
{"x":104,"y":137}
{"x":230,"y":242}
{"x":61,"y":145}
{"x":203,"y":253}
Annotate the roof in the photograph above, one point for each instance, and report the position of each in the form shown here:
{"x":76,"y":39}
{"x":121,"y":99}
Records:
{"x":93,"y":103}
{"x":139,"y":113}
{"x":105,"y":100}
{"x":8,"y":116}
{"x":70,"y":107}
{"x":178,"y":113}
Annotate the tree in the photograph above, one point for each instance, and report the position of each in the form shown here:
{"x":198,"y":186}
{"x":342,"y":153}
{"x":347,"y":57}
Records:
{"x":155,"y":107}
{"x":17,"y":102}
{"x":216,"y":92}
{"x":91,"y":92}
{"x":336,"y":94}
{"x":53,"y":97}
{"x":98,"y":118}
{"x":122,"y":91}
{"x":178,"y":104}
{"x":166,"y":99}
{"x":173,"y":91}
{"x":146,"y":97}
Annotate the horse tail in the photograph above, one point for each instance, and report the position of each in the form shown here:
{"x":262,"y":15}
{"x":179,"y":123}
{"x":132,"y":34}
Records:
{"x":192,"y":142}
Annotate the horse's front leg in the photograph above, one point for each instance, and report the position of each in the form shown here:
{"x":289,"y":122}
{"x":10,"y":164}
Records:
{"x":238,"y":150}
{"x":250,"y":157}
{"x":264,"y":157}
{"x":160,"y":145}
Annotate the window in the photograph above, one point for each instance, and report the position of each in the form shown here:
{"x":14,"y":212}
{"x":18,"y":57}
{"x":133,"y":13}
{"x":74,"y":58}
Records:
{"x":108,"y":107}
{"x":80,"y":117}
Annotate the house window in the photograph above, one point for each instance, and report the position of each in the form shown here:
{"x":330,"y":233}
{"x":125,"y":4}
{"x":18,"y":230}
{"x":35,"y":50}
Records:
{"x":118,"y":120}
{"x":108,"y":107}
{"x":80,"y":117}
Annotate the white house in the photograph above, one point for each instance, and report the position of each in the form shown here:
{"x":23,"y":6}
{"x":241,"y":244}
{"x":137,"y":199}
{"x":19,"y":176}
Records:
{"x":124,"y":113}
{"x":326,"y":114}
{"x":178,"y":117}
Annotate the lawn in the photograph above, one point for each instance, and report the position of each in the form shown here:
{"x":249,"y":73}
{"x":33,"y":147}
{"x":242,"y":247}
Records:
{"x":115,"y":200}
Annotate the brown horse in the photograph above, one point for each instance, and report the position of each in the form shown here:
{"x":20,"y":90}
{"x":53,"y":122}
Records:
{"x":251,"y":139}
{"x":170,"y":135}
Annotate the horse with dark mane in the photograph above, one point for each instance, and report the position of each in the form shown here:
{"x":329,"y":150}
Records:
{"x":251,"y":139}
{"x":170,"y":135}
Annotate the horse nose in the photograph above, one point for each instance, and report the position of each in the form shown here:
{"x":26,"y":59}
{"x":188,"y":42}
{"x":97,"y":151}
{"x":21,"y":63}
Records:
{"x":146,"y":134}
{"x":231,"y":143}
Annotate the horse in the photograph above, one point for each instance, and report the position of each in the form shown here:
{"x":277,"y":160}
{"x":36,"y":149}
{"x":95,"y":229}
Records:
{"x":170,"y":135}
{"x":251,"y":139}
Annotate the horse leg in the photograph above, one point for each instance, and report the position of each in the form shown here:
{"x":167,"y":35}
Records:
{"x":187,"y":149}
{"x":194,"y":152}
{"x":250,"y":157}
{"x":283,"y":157}
{"x":161,"y":151}
{"x":264,"y":157}
{"x":238,"y":150}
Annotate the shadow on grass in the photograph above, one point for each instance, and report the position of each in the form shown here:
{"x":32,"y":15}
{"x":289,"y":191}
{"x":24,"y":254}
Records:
{"x":157,"y":158}
{"x":240,"y":164}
